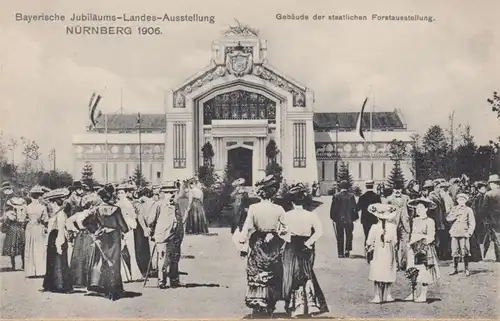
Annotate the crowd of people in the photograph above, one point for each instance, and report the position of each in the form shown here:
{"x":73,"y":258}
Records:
{"x":103,"y":236}
{"x":411,"y":229}
{"x":99,"y":237}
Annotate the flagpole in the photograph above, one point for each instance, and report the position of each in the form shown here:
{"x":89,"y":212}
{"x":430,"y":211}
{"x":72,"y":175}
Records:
{"x":106,"y":146}
{"x":371,"y":132}
{"x":140,"y":144}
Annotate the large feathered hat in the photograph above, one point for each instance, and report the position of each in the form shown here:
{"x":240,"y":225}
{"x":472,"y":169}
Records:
{"x":267,"y":186}
{"x":424,"y":201}
{"x":240,"y":181}
{"x":6,"y":188}
{"x":37,"y":189}
{"x":106,"y":193}
{"x":16,"y":202}
{"x":58,"y":193}
{"x":383,"y":211}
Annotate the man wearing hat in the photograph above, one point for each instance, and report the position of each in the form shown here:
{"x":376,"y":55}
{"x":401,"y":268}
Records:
{"x":365,"y":200}
{"x":479,"y":242}
{"x":343,"y":213}
{"x":7,"y":193}
{"x":402,"y":221}
{"x":492,"y":211}
{"x":463,"y":225}
{"x":168,"y":232}
{"x":443,"y":239}
{"x":240,"y":205}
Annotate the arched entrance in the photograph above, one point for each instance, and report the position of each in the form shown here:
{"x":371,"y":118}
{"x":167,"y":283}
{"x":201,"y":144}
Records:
{"x":239,"y":162}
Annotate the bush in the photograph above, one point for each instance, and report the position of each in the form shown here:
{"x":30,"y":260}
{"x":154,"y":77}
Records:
{"x":357,"y":191}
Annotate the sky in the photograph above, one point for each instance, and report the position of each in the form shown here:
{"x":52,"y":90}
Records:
{"x":427,"y":70}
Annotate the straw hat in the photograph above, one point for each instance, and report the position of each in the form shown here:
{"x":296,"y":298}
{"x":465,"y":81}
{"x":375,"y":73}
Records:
{"x":240,"y":181}
{"x":463,"y":195}
{"x":424,"y":201}
{"x":37,"y":189}
{"x":428,"y":184}
{"x":16,"y":201}
{"x":56,"y":194}
{"x":383,"y":211}
{"x":494,"y":179}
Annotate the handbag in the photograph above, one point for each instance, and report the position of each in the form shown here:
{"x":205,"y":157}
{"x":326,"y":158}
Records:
{"x":369,"y":256}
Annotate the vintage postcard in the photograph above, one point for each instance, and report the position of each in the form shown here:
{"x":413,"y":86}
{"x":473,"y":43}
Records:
{"x":249,"y":159}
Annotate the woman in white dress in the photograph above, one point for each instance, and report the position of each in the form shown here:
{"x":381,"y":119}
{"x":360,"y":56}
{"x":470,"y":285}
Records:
{"x":129,"y":272}
{"x":36,"y":237}
{"x":422,"y":250}
{"x":301,"y":290}
{"x":381,"y":242}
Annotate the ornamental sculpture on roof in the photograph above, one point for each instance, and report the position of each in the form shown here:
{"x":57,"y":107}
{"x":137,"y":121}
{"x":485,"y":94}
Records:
{"x":241,"y":30}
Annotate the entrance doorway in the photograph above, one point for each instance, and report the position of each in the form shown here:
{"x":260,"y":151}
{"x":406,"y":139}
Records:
{"x":239,"y":162}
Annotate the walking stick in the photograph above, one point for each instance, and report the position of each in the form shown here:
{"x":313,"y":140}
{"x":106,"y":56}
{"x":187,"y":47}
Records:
{"x":149,"y":266}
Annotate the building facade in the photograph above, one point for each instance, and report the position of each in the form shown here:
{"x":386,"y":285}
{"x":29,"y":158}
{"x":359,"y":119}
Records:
{"x":238,"y":104}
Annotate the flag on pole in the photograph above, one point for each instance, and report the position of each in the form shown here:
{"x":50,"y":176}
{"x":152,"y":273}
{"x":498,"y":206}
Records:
{"x":359,"y":124}
{"x":94,"y":113}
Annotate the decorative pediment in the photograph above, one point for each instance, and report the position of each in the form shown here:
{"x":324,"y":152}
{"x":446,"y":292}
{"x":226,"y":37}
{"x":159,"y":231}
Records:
{"x":299,"y":95}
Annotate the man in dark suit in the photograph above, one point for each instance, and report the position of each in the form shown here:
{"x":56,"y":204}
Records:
{"x":365,"y":200}
{"x":343,"y":213}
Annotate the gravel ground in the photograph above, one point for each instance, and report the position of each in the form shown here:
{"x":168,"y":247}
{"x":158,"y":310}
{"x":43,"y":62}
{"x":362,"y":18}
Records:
{"x":215,"y":288}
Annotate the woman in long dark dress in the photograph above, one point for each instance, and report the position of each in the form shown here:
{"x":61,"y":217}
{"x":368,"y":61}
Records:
{"x":141,"y":233}
{"x":196,"y":220}
{"x":14,"y":222}
{"x":263,"y":229}
{"x":58,"y":275}
{"x":301,"y":290}
{"x":107,"y":225}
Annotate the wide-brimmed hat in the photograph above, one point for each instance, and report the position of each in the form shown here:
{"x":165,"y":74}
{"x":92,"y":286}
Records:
{"x":428,"y":184}
{"x":168,"y":188}
{"x":77,"y":185}
{"x":267,"y":181}
{"x":238,"y":182}
{"x":383,"y":211}
{"x":6,"y":186}
{"x":106,"y":193}
{"x":369,"y":183}
{"x":454,"y":180}
{"x":56,"y":194}
{"x":16,"y":201}
{"x":37,"y":189}
{"x":344,"y":184}
{"x":480,"y":184}
{"x":444,"y":184}
{"x":126,"y":186}
{"x":494,"y":179}
{"x":424,"y":201}
{"x":142,"y":191}
{"x":97,"y":186}
{"x":463,"y":195}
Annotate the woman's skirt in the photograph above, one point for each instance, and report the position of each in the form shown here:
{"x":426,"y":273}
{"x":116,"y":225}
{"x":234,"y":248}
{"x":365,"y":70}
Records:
{"x":80,"y":258}
{"x":58,"y":276}
{"x":13,"y":245}
{"x":196,"y":221}
{"x":264,"y":272}
{"x":426,"y":274}
{"x":301,"y":290}
{"x":35,"y":250}
{"x":142,"y":250}
{"x":383,"y":267}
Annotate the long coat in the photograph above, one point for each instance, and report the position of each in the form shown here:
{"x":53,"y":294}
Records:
{"x":343,"y":208}
{"x":107,"y":223}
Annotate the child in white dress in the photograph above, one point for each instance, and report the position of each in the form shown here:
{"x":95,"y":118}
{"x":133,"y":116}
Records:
{"x":381,"y":240}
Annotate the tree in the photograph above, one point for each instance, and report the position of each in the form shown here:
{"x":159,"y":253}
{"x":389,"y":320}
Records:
{"x":207,"y":175}
{"x":435,"y":162}
{"x":138,"y":177}
{"x":272,"y":151}
{"x":88,"y":175}
{"x":397,"y":152}
{"x":466,"y":157}
{"x":272,"y":167}
{"x":30,"y":170}
{"x":416,"y":157}
{"x":344,"y":174}
{"x":55,"y":179}
{"x":208,"y":153}
{"x":494,"y":101}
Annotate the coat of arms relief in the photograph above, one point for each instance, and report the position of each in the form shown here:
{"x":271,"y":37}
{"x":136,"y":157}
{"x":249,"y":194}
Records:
{"x":239,"y":61}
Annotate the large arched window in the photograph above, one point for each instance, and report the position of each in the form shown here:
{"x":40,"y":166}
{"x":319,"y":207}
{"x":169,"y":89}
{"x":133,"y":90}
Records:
{"x":239,"y":104}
